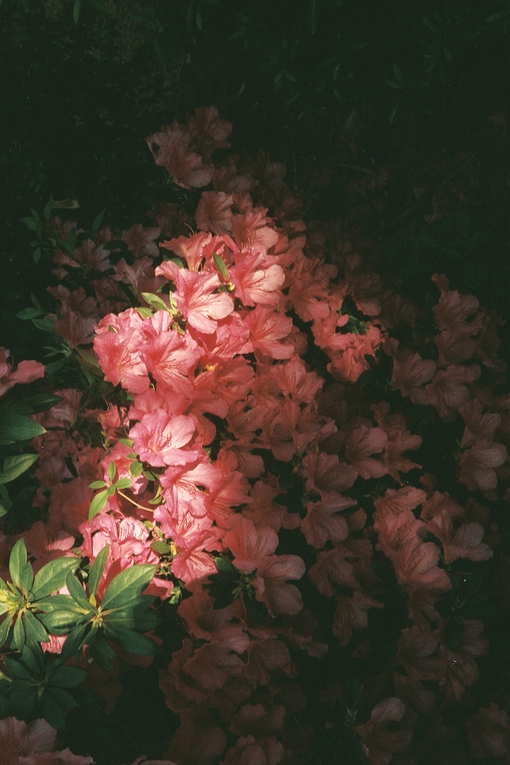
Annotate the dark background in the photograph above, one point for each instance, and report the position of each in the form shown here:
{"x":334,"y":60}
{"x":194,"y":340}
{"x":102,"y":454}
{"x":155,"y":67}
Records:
{"x":335,"y":89}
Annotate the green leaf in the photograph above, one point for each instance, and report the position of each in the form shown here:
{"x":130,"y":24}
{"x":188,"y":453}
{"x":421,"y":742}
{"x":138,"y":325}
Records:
{"x":28,"y":313}
{"x":97,"y":485}
{"x":131,"y":641}
{"x":101,"y":651}
{"x":97,"y":568}
{"x":4,"y":629}
{"x":128,"y":584}
{"x":3,"y":511}
{"x":15,"y":465}
{"x":51,"y":711}
{"x":111,"y":471}
{"x":17,"y":561}
{"x":123,"y":483}
{"x":60,"y":622}
{"x":33,"y":658}
{"x":76,"y":591}
{"x":155,"y":301}
{"x":98,"y":503}
{"x":18,"y":634}
{"x":62,"y":697}
{"x":74,"y":641}
{"x":97,"y":221}
{"x":76,"y":11}
{"x":144,"y":312}
{"x":68,"y":677}
{"x":35,"y":629}
{"x":52,"y":577}
{"x":17,"y":427}
{"x":48,"y":208}
{"x":136,"y":469}
{"x":160,"y":547}
{"x":36,"y":257}
{"x":221,"y":265}
{"x":21,"y":701}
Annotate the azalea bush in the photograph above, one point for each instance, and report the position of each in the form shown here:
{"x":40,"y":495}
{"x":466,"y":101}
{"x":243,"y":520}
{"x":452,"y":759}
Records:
{"x":263,"y":509}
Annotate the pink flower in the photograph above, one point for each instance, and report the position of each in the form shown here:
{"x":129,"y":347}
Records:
{"x":170,"y":149}
{"x":26,"y":372}
{"x":158,"y":438}
{"x":196,"y":301}
{"x":214,"y":212}
{"x":267,"y":329}
{"x":140,"y":240}
{"x":478,"y":462}
{"x":250,"y":546}
{"x":488,"y":732}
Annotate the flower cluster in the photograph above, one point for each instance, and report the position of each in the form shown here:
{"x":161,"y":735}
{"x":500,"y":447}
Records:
{"x":258,"y":406}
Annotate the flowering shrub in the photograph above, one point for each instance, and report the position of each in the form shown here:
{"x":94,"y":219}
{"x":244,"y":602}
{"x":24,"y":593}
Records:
{"x":270,"y":487}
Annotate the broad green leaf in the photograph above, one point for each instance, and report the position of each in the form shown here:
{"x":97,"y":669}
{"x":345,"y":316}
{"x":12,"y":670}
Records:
{"x":34,"y":628}
{"x":68,"y":677}
{"x":29,"y":313}
{"x":74,"y":641}
{"x":161,"y":547}
{"x":4,"y":629}
{"x":15,"y":465}
{"x":155,"y":301}
{"x":101,"y":651}
{"x":98,"y":503}
{"x":61,"y":622}
{"x":144,"y":312}
{"x":141,"y":622}
{"x":62,"y":697}
{"x":136,"y":469}
{"x":131,"y":641}
{"x":21,"y":700}
{"x":58,"y":603}
{"x":16,"y":669}
{"x":126,"y":585}
{"x":17,"y":560}
{"x":17,"y":427}
{"x":51,"y":711}
{"x":97,"y":568}
{"x":52,"y":577}
{"x":76,"y":591}
{"x":33,"y":660}
{"x":18,"y":634}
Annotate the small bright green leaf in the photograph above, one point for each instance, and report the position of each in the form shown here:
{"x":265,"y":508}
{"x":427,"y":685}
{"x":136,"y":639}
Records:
{"x":17,"y":427}
{"x":98,"y":503}
{"x":144,"y":312}
{"x":126,"y":585}
{"x":155,"y":301}
{"x":97,"y":485}
{"x":160,"y":547}
{"x":52,"y":577}
{"x":97,"y":568}
{"x":221,"y":265}
{"x":111,"y":471}
{"x":123,"y":483}
{"x":136,"y":469}
{"x":15,"y":465}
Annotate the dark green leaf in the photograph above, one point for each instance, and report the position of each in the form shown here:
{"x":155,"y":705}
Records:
{"x":28,"y":313}
{"x":17,"y":427}
{"x":126,"y":585}
{"x":76,"y":591}
{"x":4,"y":629}
{"x":131,"y":641}
{"x":33,"y":659}
{"x":97,"y":568}
{"x":68,"y":677}
{"x":76,"y":11}
{"x":35,"y":629}
{"x":63,"y":698}
{"x":18,"y":634}
{"x":51,"y":711}
{"x":17,"y":670}
{"x":17,"y":561}
{"x":52,"y":577}
{"x":15,"y":465}
{"x":74,"y":641}
{"x":97,"y":221}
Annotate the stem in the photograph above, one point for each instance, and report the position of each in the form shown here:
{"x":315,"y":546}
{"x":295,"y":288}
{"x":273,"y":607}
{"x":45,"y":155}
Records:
{"x":133,"y":502}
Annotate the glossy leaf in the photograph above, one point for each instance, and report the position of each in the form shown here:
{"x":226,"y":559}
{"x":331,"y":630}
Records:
{"x":17,"y":427}
{"x":52,"y":576}
{"x":98,"y":503}
{"x":97,"y":568}
{"x":127,"y":585}
{"x":15,"y":465}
